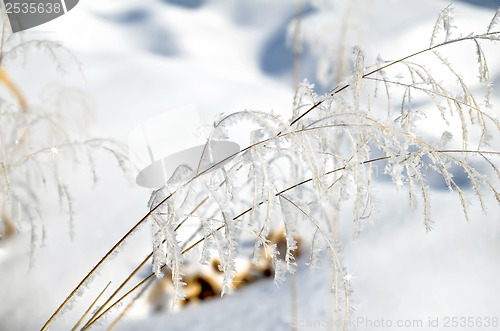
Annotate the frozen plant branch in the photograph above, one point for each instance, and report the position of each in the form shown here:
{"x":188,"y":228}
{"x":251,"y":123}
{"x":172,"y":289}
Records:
{"x":332,"y":146}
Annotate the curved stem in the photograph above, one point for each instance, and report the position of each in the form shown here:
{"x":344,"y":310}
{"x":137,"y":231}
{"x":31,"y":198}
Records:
{"x":108,"y":254}
{"x":335,"y":91}
{"x":262,"y":202}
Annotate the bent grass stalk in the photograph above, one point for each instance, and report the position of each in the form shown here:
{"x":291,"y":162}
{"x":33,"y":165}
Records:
{"x":93,"y":318}
{"x":138,"y":285}
{"x":280,"y":134}
{"x":108,"y":254}
{"x":137,"y":270}
{"x":129,"y":306}
{"x":90,"y":308}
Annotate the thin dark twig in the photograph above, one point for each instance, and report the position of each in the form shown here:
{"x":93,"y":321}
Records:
{"x":86,"y":278}
{"x":108,"y":254}
{"x":279,"y":194}
{"x":336,"y":91}
{"x":90,"y":308}
{"x":118,"y":290}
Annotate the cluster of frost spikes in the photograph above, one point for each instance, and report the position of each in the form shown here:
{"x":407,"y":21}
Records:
{"x":242,"y":199}
{"x":293,"y":172}
{"x":38,"y":140}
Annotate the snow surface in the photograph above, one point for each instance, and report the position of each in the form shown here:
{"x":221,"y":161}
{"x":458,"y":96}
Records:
{"x":140,"y":58}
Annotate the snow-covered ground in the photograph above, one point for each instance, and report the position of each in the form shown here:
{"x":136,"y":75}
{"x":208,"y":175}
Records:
{"x":141,"y":58}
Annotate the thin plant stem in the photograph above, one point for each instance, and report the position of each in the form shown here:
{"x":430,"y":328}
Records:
{"x":90,"y":308}
{"x":338,"y":89}
{"x":118,"y":289}
{"x":280,"y":134}
{"x":129,"y":306}
{"x":108,"y":254}
{"x":122,"y":297}
{"x":280,"y":194}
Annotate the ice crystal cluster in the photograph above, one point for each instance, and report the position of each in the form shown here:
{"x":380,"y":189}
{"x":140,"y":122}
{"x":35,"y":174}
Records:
{"x":39,"y":139}
{"x":295,"y":172}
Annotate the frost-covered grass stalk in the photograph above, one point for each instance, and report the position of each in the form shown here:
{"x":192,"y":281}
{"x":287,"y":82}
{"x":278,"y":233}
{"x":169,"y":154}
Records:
{"x":294,"y":171}
{"x":38,"y":140}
